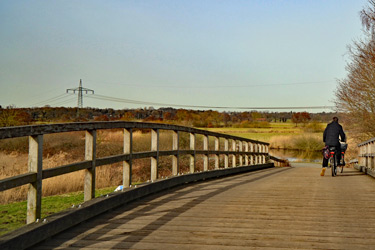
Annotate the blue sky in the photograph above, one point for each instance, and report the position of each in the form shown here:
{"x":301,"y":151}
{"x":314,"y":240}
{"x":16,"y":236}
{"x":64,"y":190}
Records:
{"x":206,"y":53}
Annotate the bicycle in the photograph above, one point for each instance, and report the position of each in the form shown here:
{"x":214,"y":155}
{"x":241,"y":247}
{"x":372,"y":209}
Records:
{"x":332,"y":163}
{"x":333,"y":159}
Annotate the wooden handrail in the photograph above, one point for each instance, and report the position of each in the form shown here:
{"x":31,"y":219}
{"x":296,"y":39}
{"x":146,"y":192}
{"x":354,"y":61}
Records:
{"x":32,"y":130}
{"x":251,"y":151}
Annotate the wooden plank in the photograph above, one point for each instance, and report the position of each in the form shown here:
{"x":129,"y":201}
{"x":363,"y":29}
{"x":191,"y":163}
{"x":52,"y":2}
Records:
{"x":17,"y":181}
{"x":127,"y":164}
{"x":247,"y":154}
{"x":118,"y":158}
{"x":234,"y":144}
{"x":90,"y":173}
{"x":193,"y":147}
{"x":240,"y":149}
{"x":35,"y":165}
{"x":154,"y":148}
{"x":53,"y":172}
{"x":226,"y":155}
{"x":126,"y":157}
{"x":176,"y":148}
{"x":217,"y":147}
{"x":206,"y":154}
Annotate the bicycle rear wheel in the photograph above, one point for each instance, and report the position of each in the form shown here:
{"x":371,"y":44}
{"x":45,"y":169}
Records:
{"x":333,"y":165}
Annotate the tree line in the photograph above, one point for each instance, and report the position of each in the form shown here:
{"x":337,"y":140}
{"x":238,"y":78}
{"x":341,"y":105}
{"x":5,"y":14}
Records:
{"x":12,"y":116}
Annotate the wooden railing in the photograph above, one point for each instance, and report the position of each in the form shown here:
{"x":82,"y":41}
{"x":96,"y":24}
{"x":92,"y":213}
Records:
{"x":279,"y":162}
{"x":366,"y":157}
{"x":243,"y":152}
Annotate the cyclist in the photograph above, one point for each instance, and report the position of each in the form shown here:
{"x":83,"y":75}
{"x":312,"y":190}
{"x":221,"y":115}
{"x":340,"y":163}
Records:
{"x":331,"y":136}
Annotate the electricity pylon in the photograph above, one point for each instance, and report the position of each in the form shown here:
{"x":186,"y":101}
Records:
{"x":80,"y":91}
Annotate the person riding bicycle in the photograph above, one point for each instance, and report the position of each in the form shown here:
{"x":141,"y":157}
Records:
{"x":331,"y":136}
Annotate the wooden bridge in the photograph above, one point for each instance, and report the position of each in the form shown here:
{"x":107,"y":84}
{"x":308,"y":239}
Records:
{"x":248,"y":204}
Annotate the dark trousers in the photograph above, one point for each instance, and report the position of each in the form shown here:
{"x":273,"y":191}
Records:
{"x":338,"y":157}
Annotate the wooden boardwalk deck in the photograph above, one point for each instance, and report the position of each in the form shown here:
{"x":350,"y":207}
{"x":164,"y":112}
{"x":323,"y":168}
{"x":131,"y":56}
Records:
{"x":279,"y":208}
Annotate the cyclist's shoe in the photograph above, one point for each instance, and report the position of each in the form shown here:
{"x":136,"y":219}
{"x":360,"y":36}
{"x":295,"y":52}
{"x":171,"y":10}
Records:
{"x":322,"y":173}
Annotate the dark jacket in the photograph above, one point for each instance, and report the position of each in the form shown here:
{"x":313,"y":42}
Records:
{"x":331,"y":134}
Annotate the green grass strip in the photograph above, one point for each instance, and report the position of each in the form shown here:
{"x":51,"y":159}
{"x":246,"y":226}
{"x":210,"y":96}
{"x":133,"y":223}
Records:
{"x":13,"y":215}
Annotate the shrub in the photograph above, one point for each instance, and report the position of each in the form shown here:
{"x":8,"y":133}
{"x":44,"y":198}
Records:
{"x":307,"y":142}
{"x":314,"y":127}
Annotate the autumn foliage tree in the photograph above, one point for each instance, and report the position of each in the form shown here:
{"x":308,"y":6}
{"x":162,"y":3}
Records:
{"x":301,"y":117}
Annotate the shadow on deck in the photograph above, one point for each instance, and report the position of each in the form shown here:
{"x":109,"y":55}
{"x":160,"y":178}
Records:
{"x":278,"y":208}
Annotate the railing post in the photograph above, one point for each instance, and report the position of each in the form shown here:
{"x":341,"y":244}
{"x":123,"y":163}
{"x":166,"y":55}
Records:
{"x":192,"y":147}
{"x":263,"y":155}
{"x":90,"y":173}
{"x":217,"y":146}
{"x":368,"y":156}
{"x":362,"y":159}
{"x":246,"y":156}
{"x":154,"y":160}
{"x":370,"y":152}
{"x":371,"y":157}
{"x":205,"y":156}
{"x":251,"y":156}
{"x":240,"y":148}
{"x":35,"y":164}
{"x":175,"y":158}
{"x":226,"y":156}
{"x":266,"y":153}
{"x":234,"y":154}
{"x":127,"y":165}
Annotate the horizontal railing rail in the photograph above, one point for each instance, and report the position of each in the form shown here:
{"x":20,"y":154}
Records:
{"x":33,"y":130}
{"x":242,"y":150}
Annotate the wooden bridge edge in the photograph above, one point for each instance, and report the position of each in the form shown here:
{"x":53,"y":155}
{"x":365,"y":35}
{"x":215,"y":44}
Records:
{"x":34,"y":233}
{"x":365,"y":170}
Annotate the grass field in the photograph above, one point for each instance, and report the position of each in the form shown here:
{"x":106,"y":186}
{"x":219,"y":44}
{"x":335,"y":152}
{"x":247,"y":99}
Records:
{"x":263,"y":134}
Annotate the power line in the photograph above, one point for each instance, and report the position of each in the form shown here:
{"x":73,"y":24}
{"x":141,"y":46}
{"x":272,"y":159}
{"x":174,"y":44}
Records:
{"x":64,"y":102}
{"x":53,"y":99}
{"x":186,"y":86}
{"x":80,"y":91}
{"x":41,"y":94}
{"x":130,"y":101}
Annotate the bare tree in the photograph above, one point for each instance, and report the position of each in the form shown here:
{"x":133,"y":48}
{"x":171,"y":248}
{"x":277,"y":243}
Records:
{"x":355,"y":94}
{"x":368,"y":17}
